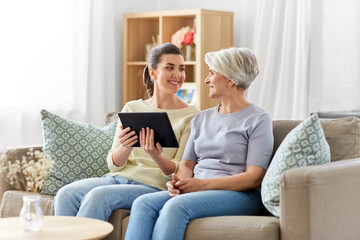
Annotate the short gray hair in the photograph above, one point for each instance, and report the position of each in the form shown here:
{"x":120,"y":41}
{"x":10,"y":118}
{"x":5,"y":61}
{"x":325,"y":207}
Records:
{"x":237,"y":64}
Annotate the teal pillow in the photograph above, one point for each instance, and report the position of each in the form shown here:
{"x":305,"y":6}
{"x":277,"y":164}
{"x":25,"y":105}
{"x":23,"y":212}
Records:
{"x":78,"y":149}
{"x":305,"y":145}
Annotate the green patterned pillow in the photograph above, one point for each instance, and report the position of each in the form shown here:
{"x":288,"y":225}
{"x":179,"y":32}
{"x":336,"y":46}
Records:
{"x":78,"y":149}
{"x":305,"y":145}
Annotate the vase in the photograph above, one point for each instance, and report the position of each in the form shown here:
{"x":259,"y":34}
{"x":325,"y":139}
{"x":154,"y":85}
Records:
{"x":148,"y":48}
{"x":31,"y":215}
{"x":190,"y":52}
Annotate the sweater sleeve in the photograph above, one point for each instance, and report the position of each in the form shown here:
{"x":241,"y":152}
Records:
{"x":115,"y":145}
{"x":182,"y":143}
{"x":184,"y":121}
{"x":189,"y":152}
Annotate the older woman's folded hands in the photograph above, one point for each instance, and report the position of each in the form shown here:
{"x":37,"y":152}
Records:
{"x":178,"y":186}
{"x":173,"y":191}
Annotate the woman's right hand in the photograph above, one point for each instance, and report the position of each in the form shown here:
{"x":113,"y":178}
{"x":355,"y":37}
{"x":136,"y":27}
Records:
{"x":127,"y":138}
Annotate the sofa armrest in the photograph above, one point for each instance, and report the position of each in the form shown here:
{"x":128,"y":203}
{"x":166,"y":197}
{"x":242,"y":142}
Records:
{"x":321,"y":202}
{"x":13,"y":154}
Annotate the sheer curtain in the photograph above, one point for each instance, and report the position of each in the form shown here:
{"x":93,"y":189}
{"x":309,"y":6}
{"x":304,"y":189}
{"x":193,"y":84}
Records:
{"x":57,"y":55}
{"x":281,"y":42}
{"x":335,"y":56}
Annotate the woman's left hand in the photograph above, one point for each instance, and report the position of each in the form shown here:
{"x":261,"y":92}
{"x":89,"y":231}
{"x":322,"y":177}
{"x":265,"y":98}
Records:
{"x":191,"y":185}
{"x":147,"y":142}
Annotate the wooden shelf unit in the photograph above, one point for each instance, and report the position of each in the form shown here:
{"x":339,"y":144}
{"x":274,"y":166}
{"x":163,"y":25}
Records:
{"x":214,"y":31}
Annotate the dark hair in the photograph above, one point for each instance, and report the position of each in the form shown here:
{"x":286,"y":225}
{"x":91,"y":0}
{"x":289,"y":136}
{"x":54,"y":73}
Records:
{"x":153,"y":61}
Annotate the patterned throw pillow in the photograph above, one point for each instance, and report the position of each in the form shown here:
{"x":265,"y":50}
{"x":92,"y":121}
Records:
{"x":305,"y":145}
{"x":78,"y":149}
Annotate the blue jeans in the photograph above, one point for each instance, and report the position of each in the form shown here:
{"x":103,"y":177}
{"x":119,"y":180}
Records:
{"x":160,"y":217}
{"x":98,"y":197}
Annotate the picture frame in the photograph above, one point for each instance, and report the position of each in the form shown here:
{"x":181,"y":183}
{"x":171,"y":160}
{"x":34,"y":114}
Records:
{"x":187,"y":93}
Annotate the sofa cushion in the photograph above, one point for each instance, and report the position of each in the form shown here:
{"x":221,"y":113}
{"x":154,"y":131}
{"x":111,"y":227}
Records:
{"x":305,"y":145}
{"x":117,"y":218}
{"x":229,"y":227}
{"x":342,"y":135}
{"x":233,"y":227}
{"x":78,"y":149}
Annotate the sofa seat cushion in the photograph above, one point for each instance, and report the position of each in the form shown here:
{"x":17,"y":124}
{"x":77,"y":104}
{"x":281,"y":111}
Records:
{"x":233,"y":227}
{"x":229,"y":228}
{"x":116,"y":219}
{"x":12,"y":200}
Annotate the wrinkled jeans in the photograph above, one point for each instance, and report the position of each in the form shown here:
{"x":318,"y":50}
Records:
{"x":160,"y":217}
{"x":98,"y":197}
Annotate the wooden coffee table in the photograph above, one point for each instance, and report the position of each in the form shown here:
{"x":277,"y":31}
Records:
{"x":56,"y":227}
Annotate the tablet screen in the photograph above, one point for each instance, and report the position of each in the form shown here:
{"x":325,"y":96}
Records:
{"x":159,"y":121}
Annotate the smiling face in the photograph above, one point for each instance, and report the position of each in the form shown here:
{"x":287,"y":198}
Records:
{"x":170,"y":73}
{"x":217,"y":83}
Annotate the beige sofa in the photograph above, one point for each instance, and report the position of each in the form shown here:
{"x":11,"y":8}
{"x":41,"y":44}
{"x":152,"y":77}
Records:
{"x":317,"y":202}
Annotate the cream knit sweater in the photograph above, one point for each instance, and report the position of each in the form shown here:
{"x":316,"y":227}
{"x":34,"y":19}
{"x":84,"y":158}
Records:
{"x":140,"y":167}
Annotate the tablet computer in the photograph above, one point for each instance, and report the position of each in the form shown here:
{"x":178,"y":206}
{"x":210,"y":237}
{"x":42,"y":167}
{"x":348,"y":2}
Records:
{"x":159,"y":121}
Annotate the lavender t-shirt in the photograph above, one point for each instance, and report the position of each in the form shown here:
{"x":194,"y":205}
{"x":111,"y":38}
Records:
{"x":224,"y":144}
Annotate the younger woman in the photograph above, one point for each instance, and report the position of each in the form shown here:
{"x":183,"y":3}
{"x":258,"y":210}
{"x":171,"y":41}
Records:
{"x":136,"y":171}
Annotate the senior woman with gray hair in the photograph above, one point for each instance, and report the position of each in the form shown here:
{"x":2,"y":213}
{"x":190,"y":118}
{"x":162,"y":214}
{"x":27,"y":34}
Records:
{"x":224,"y":161}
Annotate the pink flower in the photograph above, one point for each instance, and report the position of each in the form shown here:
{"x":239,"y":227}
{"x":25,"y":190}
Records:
{"x":177,"y":38}
{"x":189,"y":38}
{"x":184,"y":35}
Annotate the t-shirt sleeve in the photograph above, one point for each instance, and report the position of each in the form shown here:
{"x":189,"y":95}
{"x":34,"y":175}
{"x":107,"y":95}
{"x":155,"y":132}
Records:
{"x":261,"y":143}
{"x":189,"y":152}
